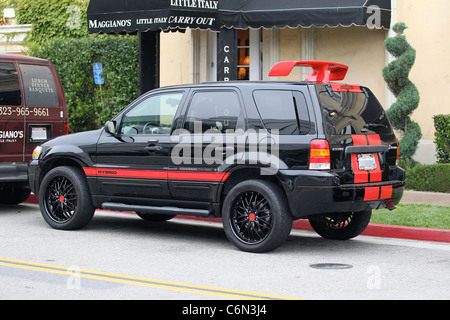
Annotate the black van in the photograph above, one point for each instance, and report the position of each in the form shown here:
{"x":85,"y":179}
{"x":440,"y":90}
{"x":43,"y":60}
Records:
{"x":32,"y":110}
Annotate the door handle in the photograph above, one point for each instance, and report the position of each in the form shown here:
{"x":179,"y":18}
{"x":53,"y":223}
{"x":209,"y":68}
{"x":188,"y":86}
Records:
{"x":153,"y":148}
{"x":223,"y":150}
{"x":151,"y":145}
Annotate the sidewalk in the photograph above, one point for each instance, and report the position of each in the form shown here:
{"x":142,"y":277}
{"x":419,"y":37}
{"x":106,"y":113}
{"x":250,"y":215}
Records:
{"x":419,"y":197}
{"x":379,"y":230}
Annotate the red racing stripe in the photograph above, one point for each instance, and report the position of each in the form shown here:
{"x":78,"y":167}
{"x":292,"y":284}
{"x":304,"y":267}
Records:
{"x":374,"y":139}
{"x":198,"y":175}
{"x":361,"y":176}
{"x":371,"y":193}
{"x":375,"y":175}
{"x":156,"y":174}
{"x":386,"y":192}
{"x":359,"y":139}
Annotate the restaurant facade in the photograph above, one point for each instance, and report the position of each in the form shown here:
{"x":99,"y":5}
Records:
{"x":192,"y":41}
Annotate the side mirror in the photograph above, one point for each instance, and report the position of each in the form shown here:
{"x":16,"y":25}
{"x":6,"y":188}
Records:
{"x":110,"y":127}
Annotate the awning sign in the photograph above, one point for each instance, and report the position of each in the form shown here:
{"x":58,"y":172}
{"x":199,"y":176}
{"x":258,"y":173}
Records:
{"x":118,"y":16}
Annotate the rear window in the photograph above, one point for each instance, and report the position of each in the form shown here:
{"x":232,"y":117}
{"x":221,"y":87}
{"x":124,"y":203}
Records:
{"x":39,"y":86}
{"x":9,"y":85}
{"x":353,"y":113}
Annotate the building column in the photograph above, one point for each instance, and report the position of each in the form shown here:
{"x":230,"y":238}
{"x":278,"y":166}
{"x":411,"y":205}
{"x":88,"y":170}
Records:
{"x":149,"y":66}
{"x":227,"y":55}
{"x":308,"y":47}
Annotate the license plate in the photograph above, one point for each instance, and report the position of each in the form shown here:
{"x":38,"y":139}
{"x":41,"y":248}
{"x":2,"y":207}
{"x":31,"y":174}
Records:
{"x":39,"y":134}
{"x":366,"y":161}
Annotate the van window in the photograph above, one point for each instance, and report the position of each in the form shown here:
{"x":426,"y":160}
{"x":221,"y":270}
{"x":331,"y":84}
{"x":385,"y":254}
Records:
{"x":9,"y":85}
{"x":39,"y":86}
{"x":283,"y":110}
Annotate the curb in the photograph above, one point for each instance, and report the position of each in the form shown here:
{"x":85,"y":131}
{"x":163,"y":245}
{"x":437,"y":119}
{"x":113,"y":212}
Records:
{"x":373,"y":229}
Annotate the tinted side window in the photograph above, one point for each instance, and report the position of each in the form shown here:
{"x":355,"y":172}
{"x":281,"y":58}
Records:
{"x":153,"y":115}
{"x":9,"y":85}
{"x":285,"y":111}
{"x":39,"y":86}
{"x":218,"y":110}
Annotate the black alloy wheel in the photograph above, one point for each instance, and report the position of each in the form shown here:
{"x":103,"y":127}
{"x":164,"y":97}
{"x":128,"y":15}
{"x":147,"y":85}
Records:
{"x":255,"y":216}
{"x":341,"y":226}
{"x":64,"y":198}
{"x":251,"y":217}
{"x":61,"y":199}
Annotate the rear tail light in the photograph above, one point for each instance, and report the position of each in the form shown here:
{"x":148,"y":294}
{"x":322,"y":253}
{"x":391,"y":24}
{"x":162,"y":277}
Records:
{"x":319,"y":155}
{"x":398,"y":150}
{"x":66,"y":128}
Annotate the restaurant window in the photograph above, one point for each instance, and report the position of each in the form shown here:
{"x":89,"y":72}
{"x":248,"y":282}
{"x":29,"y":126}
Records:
{"x":249,"y":54}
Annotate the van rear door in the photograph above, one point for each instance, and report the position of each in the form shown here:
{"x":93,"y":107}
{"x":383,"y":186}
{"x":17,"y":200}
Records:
{"x":44,"y":104}
{"x":12,"y":128}
{"x":362,"y":143}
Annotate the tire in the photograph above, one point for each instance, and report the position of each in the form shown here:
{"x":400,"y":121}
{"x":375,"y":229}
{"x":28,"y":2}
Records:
{"x":65,"y":200}
{"x":156,"y":217}
{"x":342,"y":226}
{"x":13,"y":196}
{"x":256,"y":217}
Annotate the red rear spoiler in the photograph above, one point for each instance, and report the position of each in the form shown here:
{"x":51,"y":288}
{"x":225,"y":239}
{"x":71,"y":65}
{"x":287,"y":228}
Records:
{"x":322,"y":71}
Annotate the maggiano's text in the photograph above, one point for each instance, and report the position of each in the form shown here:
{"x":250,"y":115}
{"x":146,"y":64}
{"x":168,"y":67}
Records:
{"x":109,"y":24}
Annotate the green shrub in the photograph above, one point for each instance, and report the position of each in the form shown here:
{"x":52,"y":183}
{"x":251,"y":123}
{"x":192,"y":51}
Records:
{"x":434,"y":178}
{"x":89,"y":106}
{"x":442,"y":135}
{"x":396,"y":76}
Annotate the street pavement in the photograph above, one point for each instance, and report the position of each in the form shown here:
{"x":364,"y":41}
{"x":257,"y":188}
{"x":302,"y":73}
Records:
{"x":379,"y":230}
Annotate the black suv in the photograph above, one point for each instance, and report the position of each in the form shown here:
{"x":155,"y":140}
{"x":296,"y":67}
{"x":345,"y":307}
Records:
{"x":257,"y":154}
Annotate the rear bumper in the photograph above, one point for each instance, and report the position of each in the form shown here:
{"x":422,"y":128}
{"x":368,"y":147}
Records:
{"x":14,"y":172}
{"x":314,"y":192}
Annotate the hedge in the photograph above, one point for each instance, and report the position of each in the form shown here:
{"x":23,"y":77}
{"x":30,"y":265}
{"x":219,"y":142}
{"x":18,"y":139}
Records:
{"x":442,"y":135}
{"x":433,"y":177}
{"x":90,"y":105}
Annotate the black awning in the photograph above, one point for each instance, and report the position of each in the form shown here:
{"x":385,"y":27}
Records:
{"x":240,"y":14}
{"x":119,"y":16}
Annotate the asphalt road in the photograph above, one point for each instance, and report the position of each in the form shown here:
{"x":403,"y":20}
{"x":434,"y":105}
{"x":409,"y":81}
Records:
{"x":120,"y":256}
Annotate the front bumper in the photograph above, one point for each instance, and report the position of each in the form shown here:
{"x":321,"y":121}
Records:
{"x":33,"y":171}
{"x":314,"y":192}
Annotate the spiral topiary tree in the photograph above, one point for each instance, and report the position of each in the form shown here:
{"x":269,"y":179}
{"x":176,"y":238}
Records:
{"x":396,"y":76}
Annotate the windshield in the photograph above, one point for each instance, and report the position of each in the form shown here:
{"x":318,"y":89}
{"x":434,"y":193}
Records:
{"x":353,"y":113}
